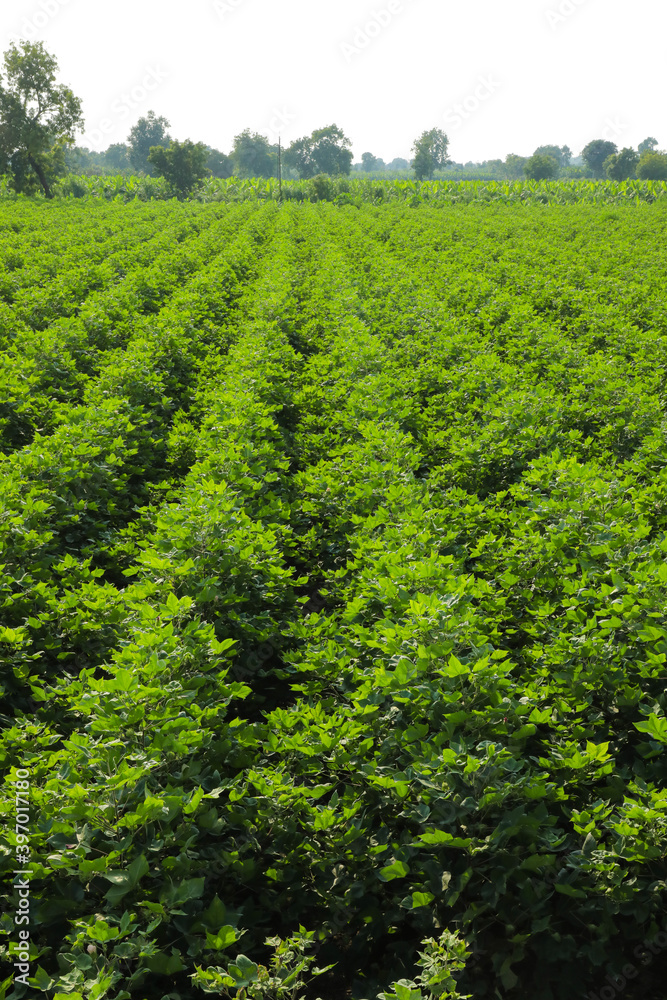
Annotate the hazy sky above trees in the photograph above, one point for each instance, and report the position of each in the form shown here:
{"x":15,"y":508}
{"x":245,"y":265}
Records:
{"x":497,"y":77}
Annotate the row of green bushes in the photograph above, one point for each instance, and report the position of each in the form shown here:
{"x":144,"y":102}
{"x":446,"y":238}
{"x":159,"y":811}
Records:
{"x":332,"y":613}
{"x":359,"y":191}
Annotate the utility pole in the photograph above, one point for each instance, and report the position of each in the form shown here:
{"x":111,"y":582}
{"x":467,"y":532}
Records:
{"x":280,"y":172}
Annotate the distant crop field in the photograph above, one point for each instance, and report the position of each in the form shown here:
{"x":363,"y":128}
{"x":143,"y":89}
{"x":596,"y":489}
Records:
{"x":332,"y":596}
{"x":363,"y":190}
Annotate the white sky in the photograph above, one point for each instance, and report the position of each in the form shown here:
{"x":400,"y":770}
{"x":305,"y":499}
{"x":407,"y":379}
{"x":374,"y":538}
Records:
{"x":527,"y":72}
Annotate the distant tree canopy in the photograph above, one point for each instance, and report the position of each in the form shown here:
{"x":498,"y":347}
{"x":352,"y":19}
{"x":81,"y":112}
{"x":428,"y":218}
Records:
{"x":38,"y":117}
{"x":652,"y":166}
{"x":540,"y":167}
{"x":514,"y":165}
{"x":622,"y":166}
{"x":182,"y":164}
{"x":399,"y":163}
{"x":254,"y":156}
{"x":596,"y":153}
{"x":117,"y":156}
{"x":431,"y":153}
{"x":370,"y":162}
{"x":148,"y":132}
{"x":325,"y":151}
{"x":648,"y":144}
{"x":219,"y":163}
{"x":561,"y":154}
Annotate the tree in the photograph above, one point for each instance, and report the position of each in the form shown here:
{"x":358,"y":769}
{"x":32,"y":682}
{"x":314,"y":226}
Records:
{"x":596,"y":153}
{"x":561,"y":154}
{"x":652,"y":166}
{"x":621,"y":166}
{"x":254,"y":156}
{"x":398,"y":163}
{"x":219,"y":163}
{"x":299,"y":157}
{"x":148,"y":132}
{"x":325,"y":151}
{"x":182,"y":164}
{"x":331,"y":151}
{"x":38,"y":117}
{"x":540,"y":168}
{"x":117,"y":156}
{"x":514,"y":165}
{"x":431,"y":154}
{"x":368,"y":162}
{"x":648,"y":144}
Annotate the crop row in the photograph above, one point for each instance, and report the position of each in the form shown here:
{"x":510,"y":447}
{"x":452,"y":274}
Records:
{"x":359,"y":191}
{"x":338,"y":602}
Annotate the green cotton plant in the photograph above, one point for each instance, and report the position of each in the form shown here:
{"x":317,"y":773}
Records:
{"x":441,"y":958}
{"x":285,"y":978}
{"x":399,"y":470}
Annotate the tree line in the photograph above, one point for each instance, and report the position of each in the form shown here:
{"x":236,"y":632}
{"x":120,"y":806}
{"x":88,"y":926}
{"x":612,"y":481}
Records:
{"x":39,"y":119}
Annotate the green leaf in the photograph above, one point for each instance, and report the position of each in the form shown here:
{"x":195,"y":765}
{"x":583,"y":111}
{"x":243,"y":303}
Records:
{"x":226,"y":935}
{"x":243,"y":972}
{"x":421,"y":899}
{"x":175,"y":895}
{"x":406,"y":990}
{"x":396,"y":870}
{"x":655,"y":727}
{"x":165,"y":965}
{"x":41,"y":980}
{"x":568,"y":890}
{"x":191,"y":806}
{"x":435,"y":837}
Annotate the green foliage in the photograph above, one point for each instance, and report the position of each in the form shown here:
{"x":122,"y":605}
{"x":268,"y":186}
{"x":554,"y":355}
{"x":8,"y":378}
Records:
{"x":38,"y":117}
{"x":370,"y":162}
{"x":622,"y":166}
{"x":596,"y":154}
{"x":219,"y":164}
{"x":431,"y":154}
{"x":648,"y":144}
{"x":325,"y":151}
{"x":540,"y":167}
{"x":333,"y":542}
{"x":514,"y":165}
{"x":282,"y":980}
{"x":652,"y":166}
{"x":441,"y":957}
{"x":182,"y":164}
{"x":561,"y":154}
{"x":149,"y":131}
{"x":253,"y":155}
{"x":358,"y":190}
